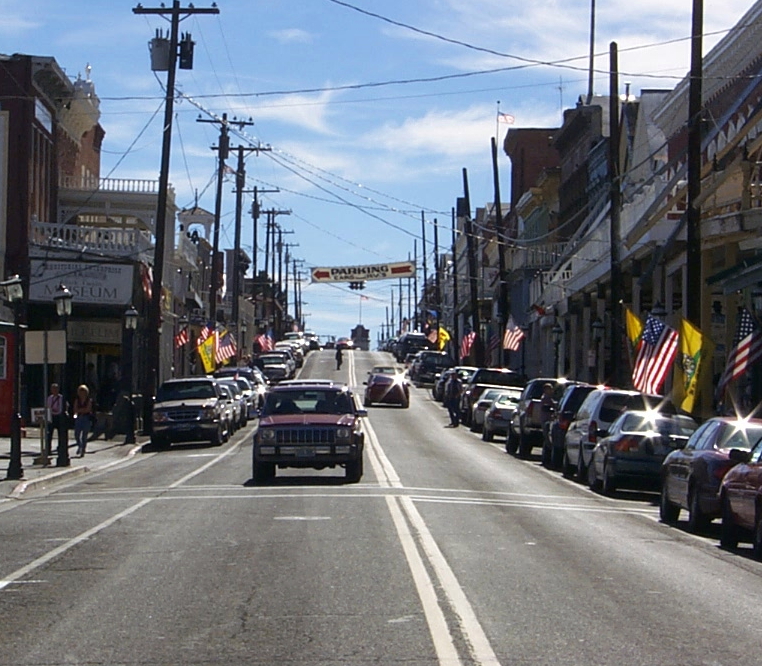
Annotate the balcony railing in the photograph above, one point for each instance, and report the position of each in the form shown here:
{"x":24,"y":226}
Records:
{"x":110,"y":184}
{"x":542,"y":255}
{"x":111,"y":242}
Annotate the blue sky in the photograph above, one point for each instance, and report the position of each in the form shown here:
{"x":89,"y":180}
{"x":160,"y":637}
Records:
{"x":356,"y":164}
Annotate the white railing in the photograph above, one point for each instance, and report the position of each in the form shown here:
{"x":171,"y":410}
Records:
{"x":110,"y":241}
{"x":110,"y":184}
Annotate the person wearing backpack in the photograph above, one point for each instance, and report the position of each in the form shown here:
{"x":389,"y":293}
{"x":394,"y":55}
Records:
{"x":452,"y":390}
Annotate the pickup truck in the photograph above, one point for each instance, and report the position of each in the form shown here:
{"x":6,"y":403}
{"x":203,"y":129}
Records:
{"x":482,"y":379}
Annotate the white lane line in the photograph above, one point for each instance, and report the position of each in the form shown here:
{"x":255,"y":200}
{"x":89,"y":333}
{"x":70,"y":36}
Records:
{"x":440,"y":633}
{"x":207,"y":465}
{"x":481,"y":649}
{"x":47,"y":557}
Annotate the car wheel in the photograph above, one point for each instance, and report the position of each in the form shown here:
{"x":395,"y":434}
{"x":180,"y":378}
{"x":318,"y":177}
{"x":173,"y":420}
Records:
{"x":581,"y":469}
{"x":757,"y":544}
{"x":557,"y":457}
{"x":546,"y":455}
{"x":263,"y":472}
{"x":405,"y":403}
{"x":525,"y":445}
{"x":511,"y":443}
{"x":217,"y":439}
{"x":593,"y":481}
{"x":486,"y":435}
{"x":159,"y":443}
{"x":566,"y":467}
{"x":728,"y":529}
{"x":608,"y":485}
{"x":697,"y":521}
{"x":668,"y":512}
{"x":353,"y":472}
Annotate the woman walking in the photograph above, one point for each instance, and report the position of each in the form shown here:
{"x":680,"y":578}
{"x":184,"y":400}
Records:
{"x":83,"y":418}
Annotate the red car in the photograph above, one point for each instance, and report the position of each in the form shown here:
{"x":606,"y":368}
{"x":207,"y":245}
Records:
{"x":691,"y":476}
{"x":386,"y":385}
{"x":741,"y":500}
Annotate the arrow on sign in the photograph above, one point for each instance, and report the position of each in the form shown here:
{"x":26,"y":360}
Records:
{"x":318,"y":275}
{"x":401,"y":269}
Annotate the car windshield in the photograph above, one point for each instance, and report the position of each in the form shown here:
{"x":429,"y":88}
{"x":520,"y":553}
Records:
{"x":272,"y":360}
{"x":308,"y":401}
{"x":664,"y":425}
{"x":383,"y":370}
{"x":185,"y":391}
{"x":498,"y":377}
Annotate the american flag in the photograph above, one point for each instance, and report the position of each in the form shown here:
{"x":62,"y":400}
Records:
{"x":747,"y":349}
{"x":182,"y":338}
{"x":513,"y":336}
{"x":146,"y":279}
{"x":466,"y":343}
{"x":225,"y":347}
{"x":205,"y":333}
{"x":265,"y":342}
{"x":655,"y":355}
{"x":494,"y":342}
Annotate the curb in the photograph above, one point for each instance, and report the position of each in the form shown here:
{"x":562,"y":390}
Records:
{"x":65,"y":474}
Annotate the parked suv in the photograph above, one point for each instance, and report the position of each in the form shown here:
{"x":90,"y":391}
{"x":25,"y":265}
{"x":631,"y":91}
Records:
{"x":568,"y":404}
{"x":427,"y":365}
{"x":410,"y":343}
{"x":309,"y":425}
{"x":526,"y":425}
{"x":188,"y":410}
{"x":599,"y":410}
{"x":482,"y":379}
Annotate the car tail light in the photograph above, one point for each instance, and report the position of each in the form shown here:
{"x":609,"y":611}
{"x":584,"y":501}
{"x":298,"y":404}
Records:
{"x":592,"y":432}
{"x":627,"y":444}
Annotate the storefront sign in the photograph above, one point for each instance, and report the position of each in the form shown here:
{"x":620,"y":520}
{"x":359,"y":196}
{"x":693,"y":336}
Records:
{"x":90,"y":284}
{"x":95,"y":332}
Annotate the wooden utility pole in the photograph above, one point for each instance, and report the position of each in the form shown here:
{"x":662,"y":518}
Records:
{"x":455,"y":323}
{"x":502,"y":294}
{"x":154,"y":316}
{"x":437,"y":285}
{"x":473,"y":272}
{"x":616,"y":327}
{"x":424,"y":291}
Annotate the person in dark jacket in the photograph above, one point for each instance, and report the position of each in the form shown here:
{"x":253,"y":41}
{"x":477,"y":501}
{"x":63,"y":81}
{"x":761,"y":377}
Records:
{"x":452,"y":389}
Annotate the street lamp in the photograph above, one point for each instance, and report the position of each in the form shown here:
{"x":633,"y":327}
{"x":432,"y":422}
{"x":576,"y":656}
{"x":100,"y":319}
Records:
{"x":130,"y":325}
{"x":13,"y":292}
{"x":62,"y":299}
{"x":557,"y":332}
{"x":598,"y":329}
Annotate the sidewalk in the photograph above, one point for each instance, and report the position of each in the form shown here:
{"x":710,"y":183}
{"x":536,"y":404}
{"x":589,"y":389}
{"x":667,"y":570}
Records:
{"x":100,"y":453}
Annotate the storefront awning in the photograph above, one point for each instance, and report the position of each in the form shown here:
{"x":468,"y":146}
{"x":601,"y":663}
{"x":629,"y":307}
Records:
{"x":744,"y":274}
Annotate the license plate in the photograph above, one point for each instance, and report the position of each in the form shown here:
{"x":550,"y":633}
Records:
{"x":305,"y":452}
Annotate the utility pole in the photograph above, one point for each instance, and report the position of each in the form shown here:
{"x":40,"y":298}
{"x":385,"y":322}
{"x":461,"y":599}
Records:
{"x":154,"y":315}
{"x":472,"y":272}
{"x":455,"y":323}
{"x":437,"y":285}
{"x":424,"y":292}
{"x":617,"y":288}
{"x":415,"y":285}
{"x":502,"y":294}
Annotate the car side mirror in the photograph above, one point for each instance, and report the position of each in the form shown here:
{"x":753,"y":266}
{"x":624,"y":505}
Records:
{"x":739,"y":455}
{"x":362,"y":412}
{"x":602,"y":432}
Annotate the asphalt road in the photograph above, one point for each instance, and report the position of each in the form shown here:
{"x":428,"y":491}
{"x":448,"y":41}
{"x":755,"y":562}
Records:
{"x":448,"y":552}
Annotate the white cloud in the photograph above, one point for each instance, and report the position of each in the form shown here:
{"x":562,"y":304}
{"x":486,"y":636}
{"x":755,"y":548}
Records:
{"x":292,"y":35}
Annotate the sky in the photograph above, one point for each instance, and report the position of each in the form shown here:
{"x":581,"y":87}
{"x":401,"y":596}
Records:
{"x":370,"y":110}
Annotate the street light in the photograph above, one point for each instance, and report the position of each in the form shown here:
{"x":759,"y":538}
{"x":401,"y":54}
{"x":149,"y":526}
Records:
{"x":62,"y":299}
{"x":557,"y":332}
{"x":130,"y":325}
{"x":13,"y":292}
{"x":598,"y":329}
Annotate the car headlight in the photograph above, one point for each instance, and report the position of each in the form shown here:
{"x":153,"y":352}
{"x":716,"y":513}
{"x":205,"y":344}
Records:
{"x":267,"y":435}
{"x":343,"y":433}
{"x":160,"y":417}
{"x":208,"y":413}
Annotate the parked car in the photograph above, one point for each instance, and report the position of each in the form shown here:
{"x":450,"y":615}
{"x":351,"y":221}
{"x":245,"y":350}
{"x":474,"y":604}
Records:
{"x":295,"y":348}
{"x":190,"y":409}
{"x":481,"y":380}
{"x":241,"y":406}
{"x":250,"y":396}
{"x":385,"y":384}
{"x":410,"y":343}
{"x":465,"y":372}
{"x":497,"y":419}
{"x":635,"y":448}
{"x":309,"y":426}
{"x":427,"y":364}
{"x":481,"y":406}
{"x":276,"y":366}
{"x":691,"y":476}
{"x":526,"y":427}
{"x":570,"y":401}
{"x":600,"y":409}
{"x":741,"y":500}
{"x":232,"y":409}
{"x":345,"y":344}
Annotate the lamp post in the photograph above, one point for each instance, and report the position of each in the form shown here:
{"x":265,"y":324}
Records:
{"x":598,"y":330}
{"x":13,"y":292}
{"x":244,"y":330}
{"x":524,"y":330}
{"x":130,"y":325}
{"x":557,"y":332}
{"x":62,"y":299}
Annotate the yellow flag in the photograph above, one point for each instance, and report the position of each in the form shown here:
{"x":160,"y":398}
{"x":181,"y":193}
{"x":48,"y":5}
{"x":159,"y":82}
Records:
{"x":442,"y":339}
{"x":695,"y":354}
{"x":634,"y":327}
{"x":205,"y":352}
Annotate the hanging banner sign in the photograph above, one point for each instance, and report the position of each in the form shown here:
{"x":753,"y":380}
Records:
{"x":400,"y":269}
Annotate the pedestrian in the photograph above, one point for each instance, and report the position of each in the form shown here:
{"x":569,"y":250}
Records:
{"x":84,"y":413}
{"x":452,"y":390}
{"x":547,"y":411}
{"x":57,"y":421}
{"x":339,"y":358}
